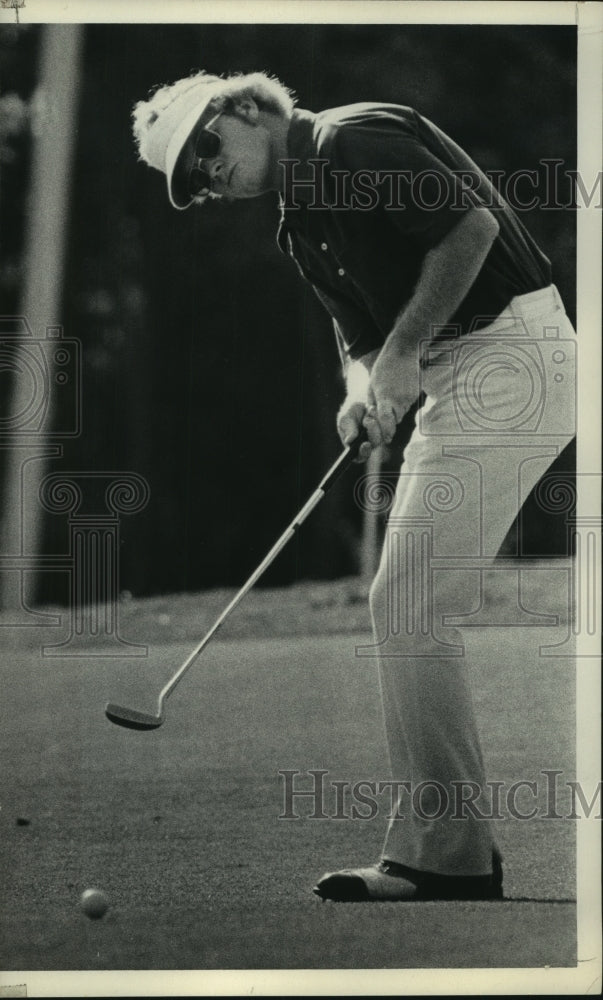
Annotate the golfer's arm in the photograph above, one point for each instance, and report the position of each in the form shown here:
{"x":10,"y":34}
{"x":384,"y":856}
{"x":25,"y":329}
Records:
{"x":448,"y":272}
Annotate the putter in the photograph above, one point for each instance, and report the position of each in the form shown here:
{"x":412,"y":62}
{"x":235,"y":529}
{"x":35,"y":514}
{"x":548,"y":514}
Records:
{"x":131,"y":718}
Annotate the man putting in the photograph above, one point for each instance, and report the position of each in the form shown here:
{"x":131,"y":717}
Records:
{"x":437,"y":292}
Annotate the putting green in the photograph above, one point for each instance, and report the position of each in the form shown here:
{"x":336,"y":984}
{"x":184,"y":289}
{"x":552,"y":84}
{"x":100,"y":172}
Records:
{"x":180,"y":826}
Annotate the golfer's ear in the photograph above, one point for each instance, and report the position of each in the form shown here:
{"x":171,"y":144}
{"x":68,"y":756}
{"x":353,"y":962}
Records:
{"x":247,"y":109}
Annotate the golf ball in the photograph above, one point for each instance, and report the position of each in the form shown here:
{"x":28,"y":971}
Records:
{"x":94,"y":903}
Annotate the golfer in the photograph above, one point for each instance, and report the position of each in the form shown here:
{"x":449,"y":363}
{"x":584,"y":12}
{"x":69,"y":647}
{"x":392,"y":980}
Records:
{"x":437,"y":292}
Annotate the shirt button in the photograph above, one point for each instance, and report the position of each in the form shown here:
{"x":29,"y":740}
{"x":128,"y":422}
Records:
{"x":341,"y":272}
{"x":323,"y":246}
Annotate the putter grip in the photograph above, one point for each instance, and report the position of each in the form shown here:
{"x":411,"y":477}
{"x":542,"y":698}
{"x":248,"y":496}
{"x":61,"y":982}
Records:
{"x":356,"y":443}
{"x":344,"y":461}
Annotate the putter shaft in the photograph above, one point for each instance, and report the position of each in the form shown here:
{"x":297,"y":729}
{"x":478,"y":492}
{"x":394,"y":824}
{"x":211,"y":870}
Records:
{"x":131,"y":718}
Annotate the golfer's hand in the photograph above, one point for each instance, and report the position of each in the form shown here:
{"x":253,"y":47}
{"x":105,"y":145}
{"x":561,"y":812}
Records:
{"x":393,"y":388}
{"x":349,"y":424}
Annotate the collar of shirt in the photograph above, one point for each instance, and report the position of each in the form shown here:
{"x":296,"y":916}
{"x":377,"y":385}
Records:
{"x":301,"y":146}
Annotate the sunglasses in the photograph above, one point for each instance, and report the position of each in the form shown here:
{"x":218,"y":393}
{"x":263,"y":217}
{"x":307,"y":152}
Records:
{"x":207,"y":145}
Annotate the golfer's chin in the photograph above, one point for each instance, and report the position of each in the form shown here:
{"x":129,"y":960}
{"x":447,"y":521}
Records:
{"x":244,"y":188}
{"x":245,"y":194}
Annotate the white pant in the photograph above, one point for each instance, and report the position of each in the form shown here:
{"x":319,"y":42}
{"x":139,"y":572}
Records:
{"x":500,"y":407}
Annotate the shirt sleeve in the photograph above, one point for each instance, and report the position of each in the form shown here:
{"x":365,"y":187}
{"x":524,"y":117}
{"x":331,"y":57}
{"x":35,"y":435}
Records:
{"x":354,"y":338}
{"x":420,"y":194}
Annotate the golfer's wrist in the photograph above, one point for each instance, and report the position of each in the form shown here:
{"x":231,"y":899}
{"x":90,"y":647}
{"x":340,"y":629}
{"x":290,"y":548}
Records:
{"x":358,"y":377}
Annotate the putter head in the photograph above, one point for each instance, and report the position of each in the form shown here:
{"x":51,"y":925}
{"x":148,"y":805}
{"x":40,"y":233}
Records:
{"x":131,"y":719}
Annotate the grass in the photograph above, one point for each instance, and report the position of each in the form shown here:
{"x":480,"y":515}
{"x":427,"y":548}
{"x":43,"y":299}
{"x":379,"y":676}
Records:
{"x":180,"y":826}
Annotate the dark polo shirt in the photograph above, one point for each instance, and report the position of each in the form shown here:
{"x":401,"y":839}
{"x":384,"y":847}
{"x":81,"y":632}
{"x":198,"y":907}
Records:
{"x":360,"y":224}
